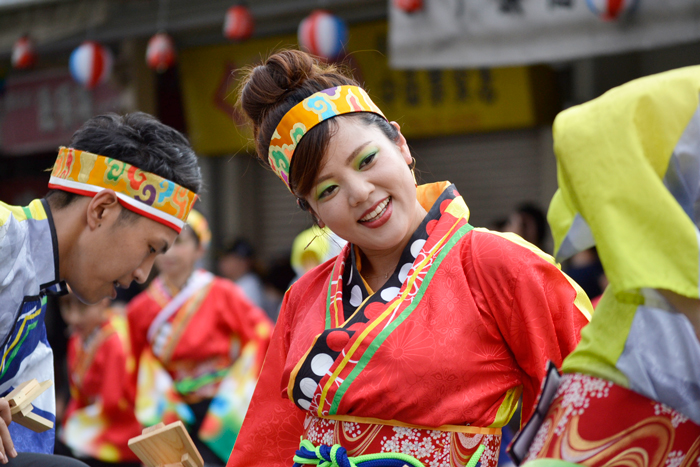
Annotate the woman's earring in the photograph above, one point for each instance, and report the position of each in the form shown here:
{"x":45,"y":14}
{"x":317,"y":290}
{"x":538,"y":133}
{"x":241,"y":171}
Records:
{"x":303,"y":205}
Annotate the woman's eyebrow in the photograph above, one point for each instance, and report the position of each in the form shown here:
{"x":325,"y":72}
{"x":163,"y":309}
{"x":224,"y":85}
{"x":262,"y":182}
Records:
{"x":348,"y":161}
{"x":354,"y":154}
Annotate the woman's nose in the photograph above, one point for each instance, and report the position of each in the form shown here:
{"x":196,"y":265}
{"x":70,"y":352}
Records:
{"x":359,"y":189}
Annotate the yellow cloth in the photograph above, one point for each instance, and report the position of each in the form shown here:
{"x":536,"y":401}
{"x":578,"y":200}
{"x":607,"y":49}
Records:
{"x":612,"y":156}
{"x":621,"y":159}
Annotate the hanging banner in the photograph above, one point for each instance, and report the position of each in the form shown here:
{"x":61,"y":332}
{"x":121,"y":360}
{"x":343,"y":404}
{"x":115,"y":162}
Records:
{"x":40,"y":111}
{"x":425,"y":103}
{"x":486,"y":33}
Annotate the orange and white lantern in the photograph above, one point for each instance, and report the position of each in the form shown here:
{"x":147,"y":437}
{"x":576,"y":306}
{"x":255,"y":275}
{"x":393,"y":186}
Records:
{"x":160,"y":53}
{"x":23,"y":53}
{"x":239,"y":23}
{"x":409,"y":6}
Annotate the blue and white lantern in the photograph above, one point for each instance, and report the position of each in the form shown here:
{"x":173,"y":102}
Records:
{"x":611,"y":10}
{"x":91,"y":64}
{"x":323,"y":34}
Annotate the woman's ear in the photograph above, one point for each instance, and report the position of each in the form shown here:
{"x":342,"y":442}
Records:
{"x":201,"y":251}
{"x":402,"y":144}
{"x":317,"y":219}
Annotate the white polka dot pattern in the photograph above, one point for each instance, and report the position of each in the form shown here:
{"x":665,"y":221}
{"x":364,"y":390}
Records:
{"x":321,"y":363}
{"x":416,"y":247}
{"x":389,"y":293}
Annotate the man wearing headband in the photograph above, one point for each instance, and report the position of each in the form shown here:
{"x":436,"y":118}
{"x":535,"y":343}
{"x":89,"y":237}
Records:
{"x":119,"y":196}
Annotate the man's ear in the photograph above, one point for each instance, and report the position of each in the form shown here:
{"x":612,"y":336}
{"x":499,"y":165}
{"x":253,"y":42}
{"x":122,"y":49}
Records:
{"x":103,"y":207}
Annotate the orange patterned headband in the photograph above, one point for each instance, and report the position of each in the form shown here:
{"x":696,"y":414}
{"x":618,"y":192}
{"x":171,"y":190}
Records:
{"x":308,"y":113}
{"x":145,"y":193}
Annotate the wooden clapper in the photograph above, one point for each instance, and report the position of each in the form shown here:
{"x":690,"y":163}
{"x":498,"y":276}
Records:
{"x":20,"y":400}
{"x":166,"y":446}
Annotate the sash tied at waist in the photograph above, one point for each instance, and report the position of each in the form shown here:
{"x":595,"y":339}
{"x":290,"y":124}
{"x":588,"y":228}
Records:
{"x":361,"y":442}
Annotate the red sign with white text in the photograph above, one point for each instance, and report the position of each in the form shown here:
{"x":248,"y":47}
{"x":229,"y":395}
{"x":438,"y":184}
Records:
{"x":42,"y":110}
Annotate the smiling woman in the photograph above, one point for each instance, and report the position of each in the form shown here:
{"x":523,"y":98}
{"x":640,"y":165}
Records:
{"x":417,"y":341}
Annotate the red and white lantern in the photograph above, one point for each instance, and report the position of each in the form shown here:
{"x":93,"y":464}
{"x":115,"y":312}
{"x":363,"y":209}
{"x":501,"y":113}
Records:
{"x":23,"y":53}
{"x":160,"y":53}
{"x":91,"y":64}
{"x":323,"y":34}
{"x":239,"y":23}
{"x":409,"y":6}
{"x":611,"y":10}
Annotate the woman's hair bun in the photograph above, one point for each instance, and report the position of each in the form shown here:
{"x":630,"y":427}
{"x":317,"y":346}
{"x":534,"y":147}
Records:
{"x":286,"y":78}
{"x":268,"y":83}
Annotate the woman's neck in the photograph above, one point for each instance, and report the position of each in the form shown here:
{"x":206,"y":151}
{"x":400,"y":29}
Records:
{"x":378,"y":267}
{"x":177,"y":280}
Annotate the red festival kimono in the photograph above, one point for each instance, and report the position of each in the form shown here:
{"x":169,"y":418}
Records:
{"x":431,"y":365}
{"x":211,"y":341}
{"x":100,"y":418}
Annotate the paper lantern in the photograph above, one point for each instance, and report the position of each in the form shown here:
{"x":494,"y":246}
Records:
{"x":239,"y":23}
{"x":23,"y":53}
{"x":409,"y":6}
{"x":610,"y":10}
{"x":323,"y":34}
{"x":91,"y":64}
{"x":160,"y":53}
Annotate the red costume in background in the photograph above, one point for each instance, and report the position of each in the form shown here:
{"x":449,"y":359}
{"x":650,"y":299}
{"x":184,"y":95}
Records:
{"x":212,"y":347}
{"x":100,"y":418}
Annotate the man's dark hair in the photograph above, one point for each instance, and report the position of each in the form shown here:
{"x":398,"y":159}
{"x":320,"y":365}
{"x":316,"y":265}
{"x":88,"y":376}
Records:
{"x":138,"y":139}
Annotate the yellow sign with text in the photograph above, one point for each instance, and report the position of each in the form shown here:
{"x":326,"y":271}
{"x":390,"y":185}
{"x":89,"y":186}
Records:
{"x":425,"y":103}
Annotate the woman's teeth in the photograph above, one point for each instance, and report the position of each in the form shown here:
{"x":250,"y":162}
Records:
{"x":378,"y":211}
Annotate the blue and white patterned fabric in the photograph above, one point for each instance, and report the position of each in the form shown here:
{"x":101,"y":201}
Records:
{"x":28,"y":274}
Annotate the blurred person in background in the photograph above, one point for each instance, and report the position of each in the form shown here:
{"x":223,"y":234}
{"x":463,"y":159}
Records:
{"x":201,"y":336}
{"x":276,"y":282}
{"x":237,"y":264}
{"x":100,"y":418}
{"x":414,"y":344}
{"x":93,"y":231}
{"x":528,"y":221}
{"x":586,"y":269}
